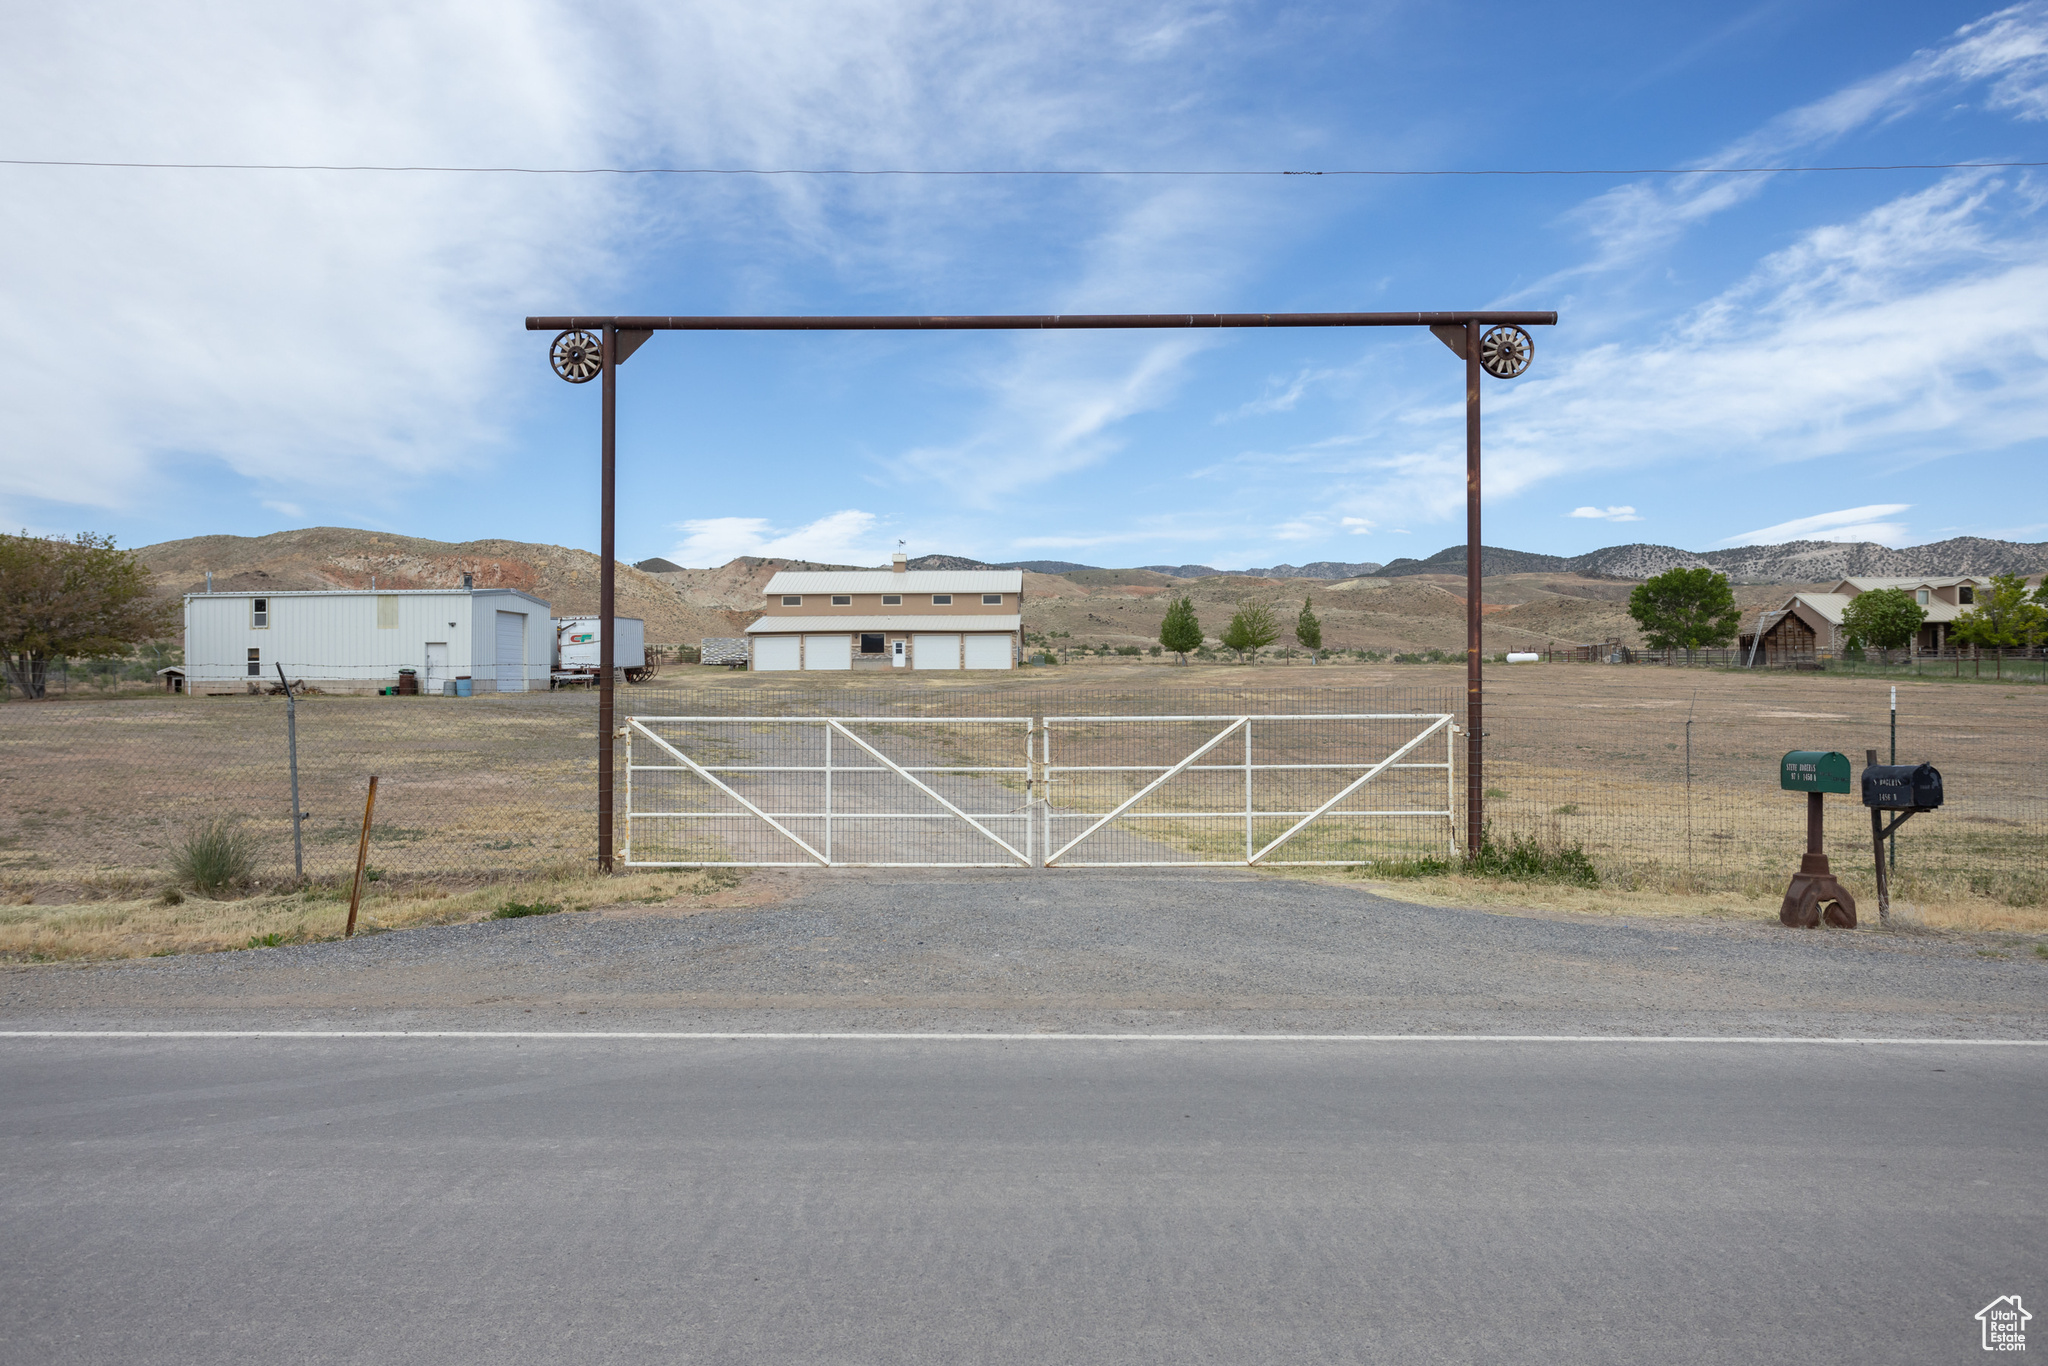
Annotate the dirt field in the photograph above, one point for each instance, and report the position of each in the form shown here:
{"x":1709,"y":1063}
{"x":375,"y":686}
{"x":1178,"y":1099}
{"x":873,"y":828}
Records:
{"x":485,"y":794}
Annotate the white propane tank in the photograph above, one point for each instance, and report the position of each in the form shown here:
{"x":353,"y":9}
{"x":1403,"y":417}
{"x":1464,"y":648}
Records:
{"x":1523,"y":657}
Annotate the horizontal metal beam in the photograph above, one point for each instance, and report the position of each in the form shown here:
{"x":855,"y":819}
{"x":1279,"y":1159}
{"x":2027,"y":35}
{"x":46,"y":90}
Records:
{"x":1014,"y":322}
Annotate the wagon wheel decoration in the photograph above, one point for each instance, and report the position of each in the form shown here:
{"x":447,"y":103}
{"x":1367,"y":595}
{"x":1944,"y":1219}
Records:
{"x":1504,"y":352}
{"x":577,"y":356}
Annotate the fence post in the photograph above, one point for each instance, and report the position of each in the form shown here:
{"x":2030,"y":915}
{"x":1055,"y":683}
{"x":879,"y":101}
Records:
{"x":291,"y":731}
{"x":355,"y":894}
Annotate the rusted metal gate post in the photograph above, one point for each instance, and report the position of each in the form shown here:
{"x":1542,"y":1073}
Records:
{"x":1475,"y":578}
{"x":1490,"y":340}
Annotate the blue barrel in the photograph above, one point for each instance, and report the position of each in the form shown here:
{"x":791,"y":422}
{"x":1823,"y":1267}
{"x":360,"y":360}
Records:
{"x":462,"y":687}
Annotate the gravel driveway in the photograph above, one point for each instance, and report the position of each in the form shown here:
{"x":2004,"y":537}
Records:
{"x":1182,"y":951}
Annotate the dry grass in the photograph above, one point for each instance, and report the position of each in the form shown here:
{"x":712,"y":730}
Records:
{"x":140,"y":926}
{"x":1916,"y":908}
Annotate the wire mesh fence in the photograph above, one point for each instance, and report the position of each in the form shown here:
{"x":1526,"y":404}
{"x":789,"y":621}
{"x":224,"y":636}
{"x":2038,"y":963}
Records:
{"x":102,"y":794}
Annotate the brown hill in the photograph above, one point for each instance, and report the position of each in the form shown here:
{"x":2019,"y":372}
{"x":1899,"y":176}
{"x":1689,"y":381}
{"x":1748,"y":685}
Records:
{"x":338,"y":557}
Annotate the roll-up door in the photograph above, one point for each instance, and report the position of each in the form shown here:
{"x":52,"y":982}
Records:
{"x":511,"y":658}
{"x":773,"y":653}
{"x":988,"y":652}
{"x":828,"y":652}
{"x":935,"y":652}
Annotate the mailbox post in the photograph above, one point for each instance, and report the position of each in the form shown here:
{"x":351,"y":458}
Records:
{"x":1815,"y":897}
{"x":1907,"y":789}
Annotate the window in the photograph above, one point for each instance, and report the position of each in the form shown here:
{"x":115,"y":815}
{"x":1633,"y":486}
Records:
{"x":892,"y":599}
{"x":792,"y":600}
{"x":1966,"y":595}
{"x":842,"y":600}
{"x":942,"y":599}
{"x":991,"y":599}
{"x":871,"y":645}
{"x":387,"y":614}
{"x":1921,"y":597}
{"x":255,"y":663}
{"x":259,"y":613}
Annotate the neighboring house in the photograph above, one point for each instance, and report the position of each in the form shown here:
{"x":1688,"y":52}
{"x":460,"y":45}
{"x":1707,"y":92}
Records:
{"x":1810,"y":623}
{"x":355,"y":641}
{"x":890,"y":618}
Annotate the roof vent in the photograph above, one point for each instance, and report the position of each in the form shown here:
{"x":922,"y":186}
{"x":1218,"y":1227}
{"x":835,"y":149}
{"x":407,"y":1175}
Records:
{"x":900,"y":562}
{"x":468,"y":582}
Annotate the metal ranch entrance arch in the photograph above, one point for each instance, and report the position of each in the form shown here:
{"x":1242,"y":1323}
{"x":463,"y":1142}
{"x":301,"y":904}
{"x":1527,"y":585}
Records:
{"x":590,"y":348}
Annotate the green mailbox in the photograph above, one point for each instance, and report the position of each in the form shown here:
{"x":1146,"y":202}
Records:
{"x":1814,"y":770}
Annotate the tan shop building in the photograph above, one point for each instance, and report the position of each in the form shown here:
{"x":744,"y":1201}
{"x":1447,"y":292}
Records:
{"x":899,"y":618}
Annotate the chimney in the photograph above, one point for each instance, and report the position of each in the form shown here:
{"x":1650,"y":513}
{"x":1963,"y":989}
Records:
{"x":900,"y":562}
{"x":209,"y":580}
{"x":468,"y":582}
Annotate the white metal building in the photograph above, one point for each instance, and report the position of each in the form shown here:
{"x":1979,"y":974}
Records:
{"x":350,"y":640}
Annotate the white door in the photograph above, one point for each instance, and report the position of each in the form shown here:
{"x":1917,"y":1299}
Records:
{"x":988,"y":652}
{"x":937,"y":652}
{"x":437,"y":668}
{"x":828,"y":652}
{"x":511,"y":657}
{"x":777,"y":654}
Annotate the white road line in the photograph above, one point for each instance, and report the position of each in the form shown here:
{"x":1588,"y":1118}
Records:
{"x":734,"y":1036}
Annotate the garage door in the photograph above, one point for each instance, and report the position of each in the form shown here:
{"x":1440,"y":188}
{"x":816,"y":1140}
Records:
{"x":772,"y":653}
{"x":935,"y":652}
{"x":828,"y":652}
{"x":988,"y":652}
{"x":511,"y":657}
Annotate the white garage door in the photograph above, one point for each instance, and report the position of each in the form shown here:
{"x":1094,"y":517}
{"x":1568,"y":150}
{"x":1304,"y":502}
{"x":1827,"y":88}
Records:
{"x":935,"y":652}
{"x":988,"y":652}
{"x":776,"y":653}
{"x":511,"y":657}
{"x":828,"y":652}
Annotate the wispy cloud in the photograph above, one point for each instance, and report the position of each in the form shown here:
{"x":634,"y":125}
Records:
{"x":846,"y":537}
{"x":1613,"y":514}
{"x":1850,"y":524}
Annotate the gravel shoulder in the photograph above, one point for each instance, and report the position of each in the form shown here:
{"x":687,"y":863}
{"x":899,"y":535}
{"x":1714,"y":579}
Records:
{"x":1130,"y":951}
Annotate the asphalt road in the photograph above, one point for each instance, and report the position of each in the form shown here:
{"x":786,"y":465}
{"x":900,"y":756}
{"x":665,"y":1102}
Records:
{"x":445,"y":1201}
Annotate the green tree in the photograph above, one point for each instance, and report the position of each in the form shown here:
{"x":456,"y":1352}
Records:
{"x":1180,"y":632}
{"x":2004,"y":615}
{"x":1252,"y":628}
{"x":62,"y":598}
{"x":1884,"y":617}
{"x":1686,"y":609}
{"x":1308,"y":630}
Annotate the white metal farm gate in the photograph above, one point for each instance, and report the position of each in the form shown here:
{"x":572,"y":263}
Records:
{"x":1037,"y":791}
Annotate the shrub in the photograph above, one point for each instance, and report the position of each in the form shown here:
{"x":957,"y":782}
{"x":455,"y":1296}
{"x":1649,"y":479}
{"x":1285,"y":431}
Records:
{"x":514,"y":910}
{"x":216,"y":854}
{"x":1522,"y":859}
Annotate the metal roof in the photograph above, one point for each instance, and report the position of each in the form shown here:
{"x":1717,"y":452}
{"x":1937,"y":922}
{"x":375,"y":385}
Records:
{"x":362,"y":593}
{"x":889,"y":581}
{"x":926,"y":625}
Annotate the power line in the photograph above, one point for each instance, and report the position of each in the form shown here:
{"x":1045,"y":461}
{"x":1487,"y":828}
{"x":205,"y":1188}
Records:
{"x":822,"y":171}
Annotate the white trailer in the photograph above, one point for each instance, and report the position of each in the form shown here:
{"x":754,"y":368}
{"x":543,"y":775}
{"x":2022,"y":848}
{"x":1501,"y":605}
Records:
{"x":579,"y":639}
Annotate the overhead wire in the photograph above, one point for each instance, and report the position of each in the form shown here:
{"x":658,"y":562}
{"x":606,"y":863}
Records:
{"x":1055,"y":171}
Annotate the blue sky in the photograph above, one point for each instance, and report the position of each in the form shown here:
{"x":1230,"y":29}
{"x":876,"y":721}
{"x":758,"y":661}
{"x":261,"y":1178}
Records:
{"x":1752,"y":358}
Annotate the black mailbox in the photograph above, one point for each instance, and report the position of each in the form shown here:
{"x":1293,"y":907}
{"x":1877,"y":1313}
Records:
{"x":1902,"y":787}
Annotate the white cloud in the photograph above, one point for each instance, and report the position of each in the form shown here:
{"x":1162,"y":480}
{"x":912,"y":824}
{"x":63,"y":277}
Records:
{"x":1849,"y":524}
{"x":1357,"y":526}
{"x":845,"y":537}
{"x":2006,"y":52}
{"x":1620,"y":514}
{"x":283,"y":509}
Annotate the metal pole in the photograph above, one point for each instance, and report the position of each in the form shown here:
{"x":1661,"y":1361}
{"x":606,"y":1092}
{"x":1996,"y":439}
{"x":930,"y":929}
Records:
{"x":1884,"y":890}
{"x":1892,"y":844}
{"x":608,"y":536}
{"x":291,"y":731}
{"x":1475,"y":725}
